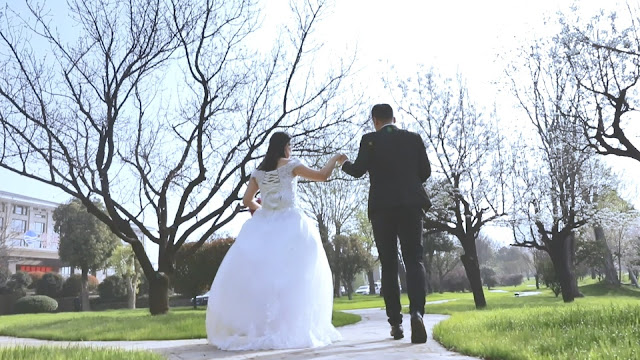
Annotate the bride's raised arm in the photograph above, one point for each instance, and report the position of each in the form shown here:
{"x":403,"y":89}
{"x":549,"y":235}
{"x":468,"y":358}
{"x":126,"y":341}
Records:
{"x":322,"y":174}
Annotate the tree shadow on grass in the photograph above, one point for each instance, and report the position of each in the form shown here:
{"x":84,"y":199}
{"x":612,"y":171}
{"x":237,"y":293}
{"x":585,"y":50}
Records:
{"x":602,"y":289}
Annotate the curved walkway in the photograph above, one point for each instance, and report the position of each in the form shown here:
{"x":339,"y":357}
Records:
{"x":367,"y":339}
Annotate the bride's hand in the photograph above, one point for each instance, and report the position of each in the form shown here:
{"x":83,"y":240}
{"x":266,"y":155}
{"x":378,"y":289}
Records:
{"x":341,"y":158}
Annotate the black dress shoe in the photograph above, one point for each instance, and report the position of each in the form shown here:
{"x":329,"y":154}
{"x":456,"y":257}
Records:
{"x":396,"y":332}
{"x":418,"y":332}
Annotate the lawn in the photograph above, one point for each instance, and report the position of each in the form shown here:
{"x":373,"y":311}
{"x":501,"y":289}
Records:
{"x":605,"y":324}
{"x":72,"y":353}
{"x":179,"y":323}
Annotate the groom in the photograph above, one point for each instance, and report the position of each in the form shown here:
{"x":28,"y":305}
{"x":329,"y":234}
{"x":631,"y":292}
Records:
{"x":398,"y":165}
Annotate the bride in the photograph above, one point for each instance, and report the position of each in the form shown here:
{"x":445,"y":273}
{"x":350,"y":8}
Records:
{"x":274,"y":288}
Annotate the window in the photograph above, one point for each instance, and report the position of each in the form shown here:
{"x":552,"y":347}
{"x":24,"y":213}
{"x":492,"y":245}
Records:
{"x":1,"y":224}
{"x":41,"y":216}
{"x":19,"y":225}
{"x":38,"y":227}
{"x":19,"y":210}
{"x":1,"y":207}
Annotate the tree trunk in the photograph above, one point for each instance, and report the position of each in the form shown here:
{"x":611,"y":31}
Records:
{"x":428,"y":268}
{"x":349,"y":291}
{"x":84,"y":292}
{"x":158,"y":280}
{"x":472,"y":269}
{"x":372,"y":282}
{"x":610,"y":274}
{"x":571,"y":243}
{"x":537,"y":277}
{"x":561,"y":260}
{"x":131,"y":293}
{"x":159,"y":294}
{"x":336,"y":285}
{"x":633,"y":278}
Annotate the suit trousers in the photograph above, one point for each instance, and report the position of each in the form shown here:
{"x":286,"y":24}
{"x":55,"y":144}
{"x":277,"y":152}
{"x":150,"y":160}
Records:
{"x":405,"y":224}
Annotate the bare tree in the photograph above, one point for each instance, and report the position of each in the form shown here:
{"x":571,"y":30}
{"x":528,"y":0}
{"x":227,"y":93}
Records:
{"x":6,"y":234}
{"x":553,"y":182}
{"x":442,"y":256}
{"x":603,"y":54}
{"x":470,"y":173}
{"x":632,"y":259}
{"x":160,"y":109}
{"x":365,"y":231}
{"x":334,"y":205}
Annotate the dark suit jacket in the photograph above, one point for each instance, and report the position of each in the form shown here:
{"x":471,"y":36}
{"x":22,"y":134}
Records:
{"x":397,"y":164}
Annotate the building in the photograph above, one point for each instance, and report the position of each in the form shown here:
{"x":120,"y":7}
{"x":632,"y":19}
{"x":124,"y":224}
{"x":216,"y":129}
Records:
{"x":26,"y":226}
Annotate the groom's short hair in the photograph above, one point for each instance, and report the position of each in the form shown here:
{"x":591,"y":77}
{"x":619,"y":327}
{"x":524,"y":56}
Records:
{"x":382,"y":112}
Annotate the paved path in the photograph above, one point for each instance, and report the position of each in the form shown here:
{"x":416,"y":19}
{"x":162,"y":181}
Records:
{"x":367,"y":339}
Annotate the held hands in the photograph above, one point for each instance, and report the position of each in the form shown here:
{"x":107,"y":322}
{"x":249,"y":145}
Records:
{"x":340,"y":159}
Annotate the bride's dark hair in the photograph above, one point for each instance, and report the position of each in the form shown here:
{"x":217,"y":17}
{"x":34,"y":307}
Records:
{"x":277,"y":143}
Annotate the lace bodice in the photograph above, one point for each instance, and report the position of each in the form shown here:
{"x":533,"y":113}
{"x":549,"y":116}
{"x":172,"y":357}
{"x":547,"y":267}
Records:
{"x":278,"y":188}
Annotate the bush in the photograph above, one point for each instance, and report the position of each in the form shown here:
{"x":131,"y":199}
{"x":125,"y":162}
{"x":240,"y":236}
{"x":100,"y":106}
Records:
{"x":20,"y":279}
{"x":488,"y":276}
{"x":35,"y":277}
{"x":143,"y":286}
{"x":511,"y":280}
{"x":92,"y":283}
{"x":17,"y":284}
{"x":50,"y":285}
{"x":112,"y":288}
{"x":456,"y":281}
{"x":195,"y":273}
{"x":35,"y":304}
{"x":549,"y":277}
{"x":72,"y":286}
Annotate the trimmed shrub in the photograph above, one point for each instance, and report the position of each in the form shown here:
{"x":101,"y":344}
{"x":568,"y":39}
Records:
{"x":50,"y":285}
{"x":35,"y":304}
{"x":35,"y":277}
{"x":112,"y":288}
{"x":72,"y":285}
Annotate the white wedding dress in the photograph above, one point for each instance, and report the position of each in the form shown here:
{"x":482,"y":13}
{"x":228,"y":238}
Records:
{"x":274,"y":288}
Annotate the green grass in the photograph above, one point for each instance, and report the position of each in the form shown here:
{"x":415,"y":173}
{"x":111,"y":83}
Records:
{"x":376,"y":301}
{"x":72,"y":353}
{"x":361,"y":302}
{"x":341,"y":318}
{"x":179,"y":323}
{"x":605,"y":324}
